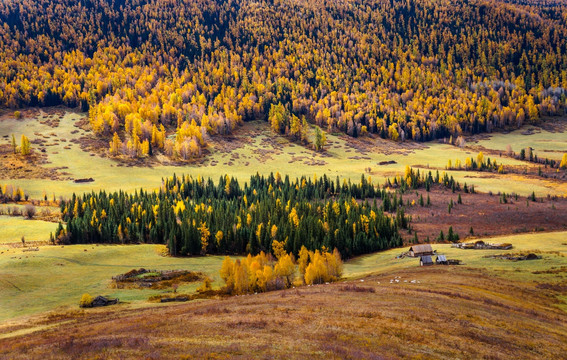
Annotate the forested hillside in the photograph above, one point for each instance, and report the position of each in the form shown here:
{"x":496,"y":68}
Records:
{"x":415,"y":69}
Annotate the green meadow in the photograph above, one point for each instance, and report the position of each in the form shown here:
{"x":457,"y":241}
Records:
{"x":55,"y":277}
{"x":544,"y":143}
{"x":14,"y":227}
{"x":552,"y":247}
{"x":254,"y":149}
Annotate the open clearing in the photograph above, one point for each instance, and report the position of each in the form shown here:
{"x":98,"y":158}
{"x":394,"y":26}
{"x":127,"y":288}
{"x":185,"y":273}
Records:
{"x":253,"y":148}
{"x":553,"y":247}
{"x":55,"y":277}
{"x":549,"y":141}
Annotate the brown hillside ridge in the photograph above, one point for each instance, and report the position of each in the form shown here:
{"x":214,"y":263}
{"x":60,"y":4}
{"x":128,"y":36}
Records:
{"x":469,"y":315}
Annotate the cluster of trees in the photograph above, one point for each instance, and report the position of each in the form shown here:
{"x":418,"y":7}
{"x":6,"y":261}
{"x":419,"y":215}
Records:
{"x":262,"y":273}
{"x":11,"y":193}
{"x":414,"y":179}
{"x":25,"y":145}
{"x":451,"y":235}
{"x":197,"y":216}
{"x":480,"y":164}
{"x":284,"y":122}
{"x":415,"y":69}
{"x":527,"y":154}
{"x":318,"y":267}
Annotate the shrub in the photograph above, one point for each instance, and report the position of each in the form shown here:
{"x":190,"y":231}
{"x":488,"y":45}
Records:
{"x":354,"y":288}
{"x":205,"y":286}
{"x":86,"y":301}
{"x":29,"y":211}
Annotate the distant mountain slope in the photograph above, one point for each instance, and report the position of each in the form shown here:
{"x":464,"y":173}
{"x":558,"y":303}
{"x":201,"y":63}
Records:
{"x":416,"y":69}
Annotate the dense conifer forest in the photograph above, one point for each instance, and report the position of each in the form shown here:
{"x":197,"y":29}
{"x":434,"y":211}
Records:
{"x":197,"y":216}
{"x":414,"y":69}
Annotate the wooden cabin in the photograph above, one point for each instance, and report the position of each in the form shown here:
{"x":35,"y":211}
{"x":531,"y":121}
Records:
{"x":425,"y":260}
{"x":420,"y":250}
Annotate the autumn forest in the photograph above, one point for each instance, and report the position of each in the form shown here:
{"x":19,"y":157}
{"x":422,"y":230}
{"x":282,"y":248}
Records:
{"x":163,"y":76}
{"x":283,"y":179}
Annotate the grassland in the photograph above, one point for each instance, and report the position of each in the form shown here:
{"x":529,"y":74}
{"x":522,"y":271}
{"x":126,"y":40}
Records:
{"x":439,"y":312}
{"x":13,"y":228}
{"x":252,"y":149}
{"x":488,"y":307}
{"x":552,"y":247}
{"x":548,"y":142}
{"x":55,"y":277}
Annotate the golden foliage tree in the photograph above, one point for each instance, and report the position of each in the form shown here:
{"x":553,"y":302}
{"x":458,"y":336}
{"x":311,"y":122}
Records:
{"x":25,"y":146}
{"x":205,"y":234}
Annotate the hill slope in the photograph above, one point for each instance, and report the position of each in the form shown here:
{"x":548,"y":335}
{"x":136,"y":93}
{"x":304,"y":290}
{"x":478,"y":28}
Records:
{"x":416,"y":69}
{"x":445,"y":313}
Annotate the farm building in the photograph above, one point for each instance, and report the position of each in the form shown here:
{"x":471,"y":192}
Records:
{"x":441,"y":259}
{"x":420,"y":250}
{"x":425,"y":260}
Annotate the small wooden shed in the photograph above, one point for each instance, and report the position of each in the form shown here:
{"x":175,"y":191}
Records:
{"x":420,"y":250}
{"x":103,"y":301}
{"x":425,"y":260}
{"x":441,"y":259}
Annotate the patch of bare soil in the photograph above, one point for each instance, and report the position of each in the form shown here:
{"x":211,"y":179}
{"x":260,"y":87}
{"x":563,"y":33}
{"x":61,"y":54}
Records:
{"x":52,"y":118}
{"x":515,"y":256}
{"x":553,"y":270}
{"x":16,"y":166}
{"x":554,"y":124}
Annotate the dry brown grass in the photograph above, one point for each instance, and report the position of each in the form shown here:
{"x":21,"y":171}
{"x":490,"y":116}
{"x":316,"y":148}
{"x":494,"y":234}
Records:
{"x":448,"y":312}
{"x":484,"y":213}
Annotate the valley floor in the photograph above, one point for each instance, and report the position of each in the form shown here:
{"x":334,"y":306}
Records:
{"x":386,"y":308}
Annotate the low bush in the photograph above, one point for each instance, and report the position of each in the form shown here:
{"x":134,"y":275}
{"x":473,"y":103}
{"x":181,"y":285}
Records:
{"x":86,"y":301}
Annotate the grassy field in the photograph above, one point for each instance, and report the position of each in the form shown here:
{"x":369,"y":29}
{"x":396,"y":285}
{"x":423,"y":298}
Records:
{"x":545,"y":143}
{"x":551,"y":246}
{"x":252,"y":149}
{"x":439,"y":312}
{"x":14,"y":227}
{"x":55,"y":277}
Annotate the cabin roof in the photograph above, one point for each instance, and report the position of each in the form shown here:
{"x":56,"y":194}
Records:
{"x":441,"y":258}
{"x":426,"y":259}
{"x":423,"y":248}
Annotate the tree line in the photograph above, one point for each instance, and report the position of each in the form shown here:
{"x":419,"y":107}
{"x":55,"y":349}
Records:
{"x":196,"y":216}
